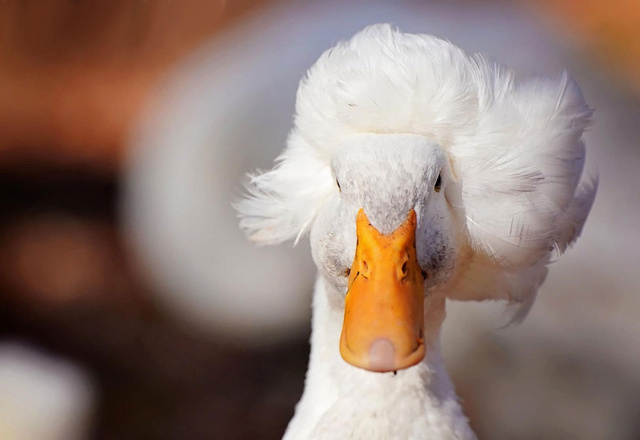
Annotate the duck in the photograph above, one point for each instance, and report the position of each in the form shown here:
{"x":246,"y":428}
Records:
{"x":420,"y":174}
{"x":42,"y":396}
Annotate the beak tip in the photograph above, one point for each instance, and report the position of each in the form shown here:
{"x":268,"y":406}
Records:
{"x":382,"y":355}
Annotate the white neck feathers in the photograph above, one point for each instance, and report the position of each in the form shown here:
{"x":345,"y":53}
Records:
{"x":344,"y":402}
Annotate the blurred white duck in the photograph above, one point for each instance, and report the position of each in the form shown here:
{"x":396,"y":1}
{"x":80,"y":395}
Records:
{"x":41,"y":397}
{"x":445,"y":177}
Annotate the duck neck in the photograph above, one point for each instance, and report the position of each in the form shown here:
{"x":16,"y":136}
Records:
{"x":346,"y":402}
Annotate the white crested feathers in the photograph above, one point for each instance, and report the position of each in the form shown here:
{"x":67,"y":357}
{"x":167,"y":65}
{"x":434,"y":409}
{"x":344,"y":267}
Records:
{"x":515,"y":147}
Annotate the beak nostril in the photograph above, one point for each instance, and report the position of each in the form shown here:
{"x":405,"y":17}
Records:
{"x":365,"y":267}
{"x":404,"y":269}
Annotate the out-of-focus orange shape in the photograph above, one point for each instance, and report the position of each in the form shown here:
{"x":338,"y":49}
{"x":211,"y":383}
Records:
{"x":74,"y":75}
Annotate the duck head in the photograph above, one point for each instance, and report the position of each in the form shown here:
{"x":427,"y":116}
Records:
{"x":423,"y":173}
{"x":385,"y":242}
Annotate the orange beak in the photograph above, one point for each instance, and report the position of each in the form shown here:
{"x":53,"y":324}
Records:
{"x":384,"y":308}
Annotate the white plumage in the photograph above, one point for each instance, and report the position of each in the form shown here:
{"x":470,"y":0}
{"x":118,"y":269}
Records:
{"x":512,"y":185}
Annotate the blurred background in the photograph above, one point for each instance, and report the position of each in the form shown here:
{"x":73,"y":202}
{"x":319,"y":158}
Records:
{"x":131,"y":306}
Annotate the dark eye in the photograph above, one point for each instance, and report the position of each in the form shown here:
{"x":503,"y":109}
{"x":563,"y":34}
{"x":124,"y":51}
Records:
{"x":338,"y":183}
{"x":438,"y":184}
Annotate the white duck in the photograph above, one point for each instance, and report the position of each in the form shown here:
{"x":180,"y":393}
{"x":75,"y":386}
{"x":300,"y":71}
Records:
{"x":445,"y":177}
{"x":42,"y":397}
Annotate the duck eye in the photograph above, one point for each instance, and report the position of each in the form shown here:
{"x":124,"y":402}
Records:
{"x":438,"y":184}
{"x":338,"y":183}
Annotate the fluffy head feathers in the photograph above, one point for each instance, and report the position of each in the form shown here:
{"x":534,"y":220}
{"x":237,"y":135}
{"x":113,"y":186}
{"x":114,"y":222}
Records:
{"x":515,"y":147}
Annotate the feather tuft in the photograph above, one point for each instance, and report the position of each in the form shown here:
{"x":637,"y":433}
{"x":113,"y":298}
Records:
{"x":515,"y":146}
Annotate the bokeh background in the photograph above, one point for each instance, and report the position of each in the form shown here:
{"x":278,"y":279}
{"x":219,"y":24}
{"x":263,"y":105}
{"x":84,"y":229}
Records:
{"x":131,"y":307}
